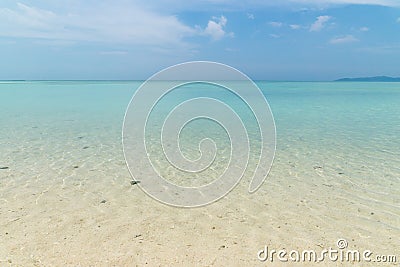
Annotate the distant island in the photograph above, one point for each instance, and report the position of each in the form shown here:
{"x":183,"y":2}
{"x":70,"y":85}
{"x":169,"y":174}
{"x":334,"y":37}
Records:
{"x":370,"y":79}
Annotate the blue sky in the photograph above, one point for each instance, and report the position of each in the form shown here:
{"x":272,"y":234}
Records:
{"x":273,"y":40}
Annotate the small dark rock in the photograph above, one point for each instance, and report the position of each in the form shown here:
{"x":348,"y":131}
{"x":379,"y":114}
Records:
{"x":135,"y":182}
{"x":341,"y":173}
{"x":3,"y":168}
{"x":103,"y":201}
{"x":317,"y":167}
{"x":85,"y":147}
{"x":80,"y":137}
{"x":372,"y":213}
{"x":76,"y":167}
{"x":136,"y":236}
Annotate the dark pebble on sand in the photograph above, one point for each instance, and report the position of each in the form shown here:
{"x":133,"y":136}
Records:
{"x":341,"y":173}
{"x":85,"y":147}
{"x":134,"y":182}
{"x":103,"y":201}
{"x":76,"y":167}
{"x":3,"y":168}
{"x":372,"y":213}
{"x":80,"y":137}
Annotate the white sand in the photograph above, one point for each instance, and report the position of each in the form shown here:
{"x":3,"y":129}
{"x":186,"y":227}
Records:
{"x":52,"y":215}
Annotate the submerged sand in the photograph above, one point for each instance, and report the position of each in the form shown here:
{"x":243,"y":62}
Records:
{"x":66,"y":199}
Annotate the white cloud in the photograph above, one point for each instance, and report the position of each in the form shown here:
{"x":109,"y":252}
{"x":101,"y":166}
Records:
{"x":343,"y":39}
{"x":294,"y":26}
{"x":276,"y":36}
{"x":319,"y":24}
{"x":125,"y":23}
{"x":398,"y":20}
{"x":276,"y":24}
{"x":229,"y":49}
{"x":238,"y":5}
{"x":364,"y":29}
{"x":356,"y":2}
{"x":120,"y":22}
{"x":250,"y":16}
{"x":215,"y":28}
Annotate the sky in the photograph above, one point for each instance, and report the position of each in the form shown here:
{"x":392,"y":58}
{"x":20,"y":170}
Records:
{"x":299,"y":40}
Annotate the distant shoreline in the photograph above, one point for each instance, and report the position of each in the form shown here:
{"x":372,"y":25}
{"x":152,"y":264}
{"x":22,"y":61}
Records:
{"x":370,"y":79}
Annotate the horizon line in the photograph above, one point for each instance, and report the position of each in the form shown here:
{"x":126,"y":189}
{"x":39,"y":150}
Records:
{"x":366,"y":78}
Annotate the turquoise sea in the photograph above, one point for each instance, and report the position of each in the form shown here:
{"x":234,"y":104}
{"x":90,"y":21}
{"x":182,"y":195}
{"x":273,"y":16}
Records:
{"x":66,"y":197}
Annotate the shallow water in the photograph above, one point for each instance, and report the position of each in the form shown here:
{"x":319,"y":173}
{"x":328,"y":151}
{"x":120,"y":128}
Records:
{"x":336,"y":174}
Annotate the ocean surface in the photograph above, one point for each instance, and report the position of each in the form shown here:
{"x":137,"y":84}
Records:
{"x":336,"y":172}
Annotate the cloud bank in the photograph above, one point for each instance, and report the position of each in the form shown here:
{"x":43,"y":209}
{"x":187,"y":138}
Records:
{"x":119,"y":22}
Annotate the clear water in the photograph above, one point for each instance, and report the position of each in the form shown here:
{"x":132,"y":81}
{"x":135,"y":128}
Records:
{"x":338,"y":147}
{"x":350,"y":127}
